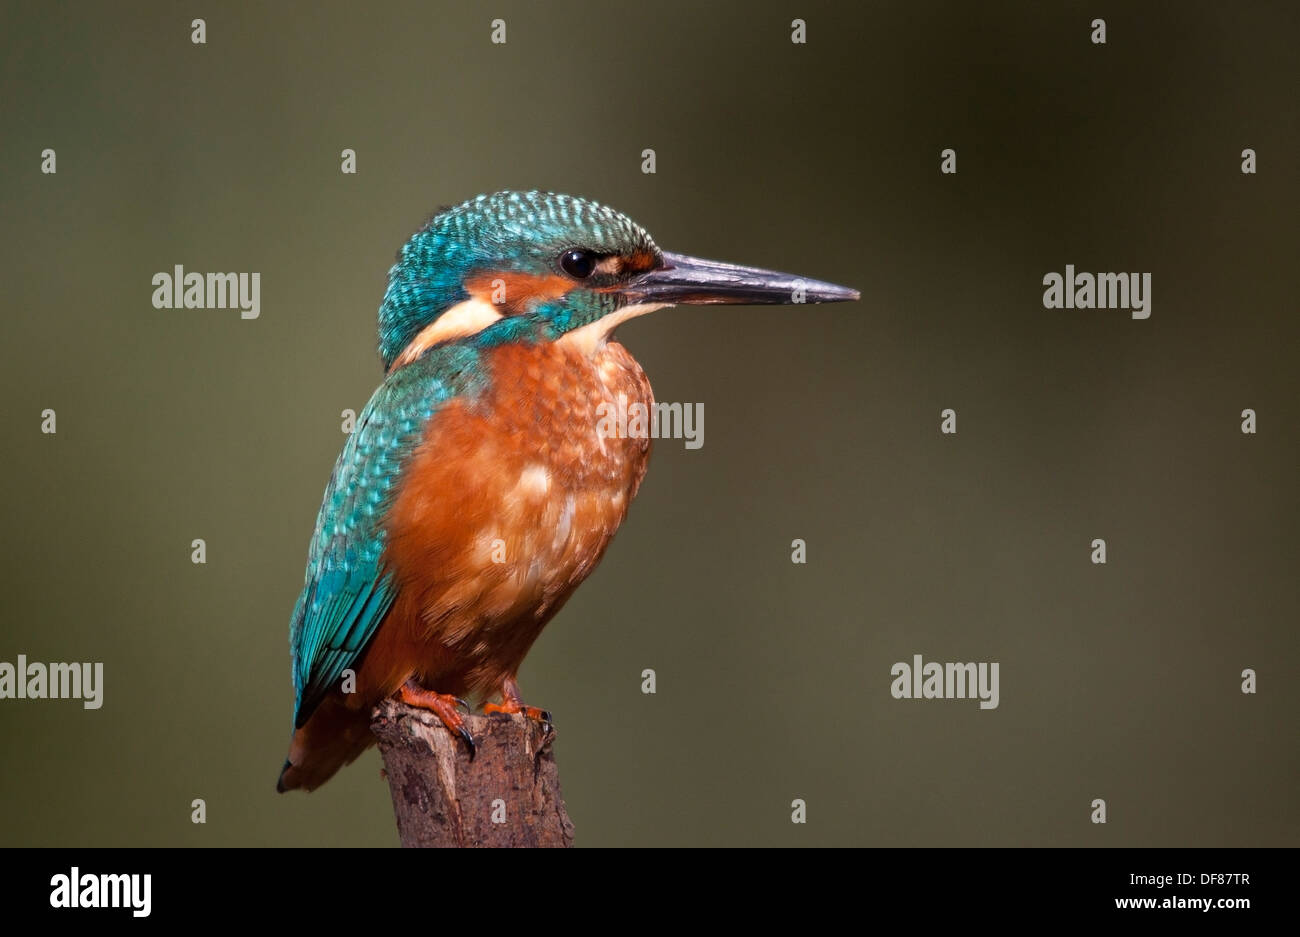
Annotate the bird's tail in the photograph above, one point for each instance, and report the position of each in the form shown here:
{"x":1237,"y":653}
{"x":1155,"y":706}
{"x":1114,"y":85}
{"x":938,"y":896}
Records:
{"x":333,"y":737}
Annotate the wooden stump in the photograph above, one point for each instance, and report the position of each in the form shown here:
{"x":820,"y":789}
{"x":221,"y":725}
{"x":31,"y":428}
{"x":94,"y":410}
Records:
{"x":509,"y":795}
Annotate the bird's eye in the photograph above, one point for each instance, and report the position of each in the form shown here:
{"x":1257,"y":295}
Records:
{"x":578,"y":263}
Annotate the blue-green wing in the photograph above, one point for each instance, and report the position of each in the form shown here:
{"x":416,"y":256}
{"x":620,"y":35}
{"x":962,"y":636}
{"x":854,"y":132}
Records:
{"x":347,"y":590}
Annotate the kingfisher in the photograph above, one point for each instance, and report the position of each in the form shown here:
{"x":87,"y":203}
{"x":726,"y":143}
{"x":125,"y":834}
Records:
{"x":476,"y":492}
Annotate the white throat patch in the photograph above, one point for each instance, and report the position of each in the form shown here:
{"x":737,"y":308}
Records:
{"x":591,"y":337}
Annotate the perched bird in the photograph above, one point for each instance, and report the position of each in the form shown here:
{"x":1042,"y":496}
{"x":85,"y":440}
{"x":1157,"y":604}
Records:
{"x":476,"y":492}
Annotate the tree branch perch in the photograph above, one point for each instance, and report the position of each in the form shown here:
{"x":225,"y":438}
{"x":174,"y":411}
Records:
{"x":508,"y":795}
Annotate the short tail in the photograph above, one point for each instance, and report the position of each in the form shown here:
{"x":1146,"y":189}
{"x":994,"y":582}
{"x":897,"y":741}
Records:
{"x":333,"y":737}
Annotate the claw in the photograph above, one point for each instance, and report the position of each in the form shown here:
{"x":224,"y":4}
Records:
{"x":511,"y":703}
{"x":441,"y":705}
{"x":469,"y":742}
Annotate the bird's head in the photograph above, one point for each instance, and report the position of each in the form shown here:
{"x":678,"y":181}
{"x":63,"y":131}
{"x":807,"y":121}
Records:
{"x":537,"y":266}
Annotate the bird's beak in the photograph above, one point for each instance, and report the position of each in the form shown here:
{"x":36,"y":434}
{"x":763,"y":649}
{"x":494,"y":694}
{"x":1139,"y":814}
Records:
{"x":691,"y":280}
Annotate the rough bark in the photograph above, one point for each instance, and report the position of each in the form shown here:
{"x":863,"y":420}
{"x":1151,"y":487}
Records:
{"x":442,"y":798}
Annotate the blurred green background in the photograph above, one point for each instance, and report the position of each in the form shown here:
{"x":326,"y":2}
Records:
{"x":1119,"y":681}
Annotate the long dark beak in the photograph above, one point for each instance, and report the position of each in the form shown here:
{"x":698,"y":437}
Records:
{"x":691,"y":280}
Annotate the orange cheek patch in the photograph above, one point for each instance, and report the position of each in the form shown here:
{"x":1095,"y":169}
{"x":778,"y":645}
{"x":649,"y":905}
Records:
{"x":512,"y":293}
{"x":640,"y":262}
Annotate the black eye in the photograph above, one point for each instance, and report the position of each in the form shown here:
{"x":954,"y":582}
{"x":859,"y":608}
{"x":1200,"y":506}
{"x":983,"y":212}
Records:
{"x":578,"y":263}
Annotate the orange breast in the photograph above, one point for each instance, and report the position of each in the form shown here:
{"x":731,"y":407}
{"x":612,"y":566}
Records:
{"x":507,"y":506}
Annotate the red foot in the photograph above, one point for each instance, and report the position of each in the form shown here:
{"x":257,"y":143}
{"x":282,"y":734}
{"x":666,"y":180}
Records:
{"x":512,"y":703}
{"x":441,"y":705}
